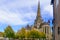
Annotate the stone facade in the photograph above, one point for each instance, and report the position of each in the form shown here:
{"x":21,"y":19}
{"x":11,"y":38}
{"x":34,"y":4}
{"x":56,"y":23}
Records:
{"x":56,"y":19}
{"x":40,"y":25}
{"x":38,"y":20}
{"x":45,"y":27}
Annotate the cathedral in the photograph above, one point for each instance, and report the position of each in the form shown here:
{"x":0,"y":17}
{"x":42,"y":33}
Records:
{"x":56,"y":19}
{"x":40,"y":25}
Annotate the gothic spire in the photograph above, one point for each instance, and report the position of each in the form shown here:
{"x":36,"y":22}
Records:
{"x":38,"y":10}
{"x":38,"y":20}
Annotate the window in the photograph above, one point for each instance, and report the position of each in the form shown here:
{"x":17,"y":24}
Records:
{"x":45,"y":29}
{"x":58,"y":30}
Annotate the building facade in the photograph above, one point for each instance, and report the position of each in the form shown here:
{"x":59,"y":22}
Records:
{"x":56,"y":19}
{"x":40,"y":25}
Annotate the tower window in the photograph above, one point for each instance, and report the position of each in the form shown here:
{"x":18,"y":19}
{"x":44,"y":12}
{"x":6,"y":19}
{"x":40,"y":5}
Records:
{"x":58,"y":30}
{"x":45,"y":29}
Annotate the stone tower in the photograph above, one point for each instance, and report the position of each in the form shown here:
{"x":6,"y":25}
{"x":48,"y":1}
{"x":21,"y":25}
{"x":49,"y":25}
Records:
{"x":56,"y":19}
{"x":38,"y":20}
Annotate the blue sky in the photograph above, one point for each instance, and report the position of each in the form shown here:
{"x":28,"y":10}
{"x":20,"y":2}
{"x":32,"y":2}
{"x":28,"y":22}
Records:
{"x":19,"y":13}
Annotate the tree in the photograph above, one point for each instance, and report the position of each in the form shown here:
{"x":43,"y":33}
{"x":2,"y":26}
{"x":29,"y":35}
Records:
{"x":9,"y":32}
{"x":43,"y":36}
{"x":34,"y":34}
{"x":21,"y":33}
{"x":27,"y":34}
{"x":1,"y":34}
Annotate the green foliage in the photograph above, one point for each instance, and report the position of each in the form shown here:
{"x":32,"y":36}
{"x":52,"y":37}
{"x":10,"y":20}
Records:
{"x":42,"y":35}
{"x":34,"y":34}
{"x":21,"y":33}
{"x":27,"y":34}
{"x":1,"y":34}
{"x":30,"y":34}
{"x":9,"y":32}
{"x":16,"y":36}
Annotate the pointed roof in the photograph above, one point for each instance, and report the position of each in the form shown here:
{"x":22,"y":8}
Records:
{"x":38,"y":17}
{"x":38,"y":20}
{"x":38,"y":11}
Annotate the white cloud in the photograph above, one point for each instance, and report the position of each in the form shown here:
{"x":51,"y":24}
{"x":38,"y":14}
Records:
{"x":49,"y":9}
{"x":19,"y":3}
{"x":16,"y":17}
{"x":10,"y":18}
